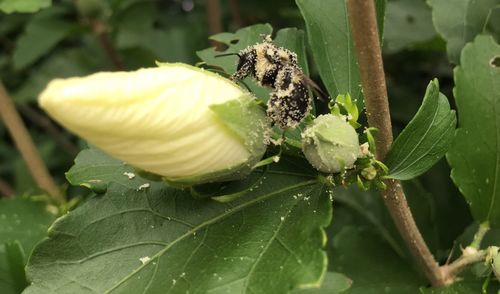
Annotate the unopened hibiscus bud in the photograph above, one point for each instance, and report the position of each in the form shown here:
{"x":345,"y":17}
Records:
{"x":330,"y":144}
{"x":188,"y":125}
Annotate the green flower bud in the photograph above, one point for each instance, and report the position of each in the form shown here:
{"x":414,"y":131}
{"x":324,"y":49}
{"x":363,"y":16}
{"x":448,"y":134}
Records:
{"x":495,"y":263}
{"x":369,"y":173}
{"x":188,"y":125}
{"x":330,"y":144}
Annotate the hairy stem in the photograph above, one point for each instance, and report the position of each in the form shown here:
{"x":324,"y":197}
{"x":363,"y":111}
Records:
{"x":468,"y":258}
{"x":25,"y":145}
{"x":366,"y":39}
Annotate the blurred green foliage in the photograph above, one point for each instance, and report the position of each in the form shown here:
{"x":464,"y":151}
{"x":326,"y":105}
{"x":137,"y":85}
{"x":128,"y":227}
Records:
{"x":40,"y":41}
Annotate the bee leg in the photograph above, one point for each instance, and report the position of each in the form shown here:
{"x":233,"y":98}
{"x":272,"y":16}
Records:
{"x":240,"y":74}
{"x":246,"y":66}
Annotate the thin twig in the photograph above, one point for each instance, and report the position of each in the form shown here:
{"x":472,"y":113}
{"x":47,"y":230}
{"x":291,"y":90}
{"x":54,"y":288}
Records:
{"x":235,"y":14}
{"x":26,"y":147}
{"x":470,"y":255}
{"x":214,"y":19}
{"x":100,"y":31}
{"x":5,"y":189}
{"x":46,"y":124}
{"x":453,"y":269}
{"x":365,"y":34}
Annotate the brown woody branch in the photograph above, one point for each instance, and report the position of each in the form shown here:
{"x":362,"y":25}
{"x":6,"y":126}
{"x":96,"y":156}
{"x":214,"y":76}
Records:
{"x":235,"y":13}
{"x":46,"y":124}
{"x":26,"y":147}
{"x":101,"y":33}
{"x":366,"y":39}
{"x":214,"y":19}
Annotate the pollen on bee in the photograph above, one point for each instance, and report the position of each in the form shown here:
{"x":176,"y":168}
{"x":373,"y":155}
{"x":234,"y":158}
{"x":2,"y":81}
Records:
{"x":278,"y":69}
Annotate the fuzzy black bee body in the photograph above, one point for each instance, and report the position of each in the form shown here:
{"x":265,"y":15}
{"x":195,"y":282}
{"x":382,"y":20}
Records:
{"x":278,"y":69}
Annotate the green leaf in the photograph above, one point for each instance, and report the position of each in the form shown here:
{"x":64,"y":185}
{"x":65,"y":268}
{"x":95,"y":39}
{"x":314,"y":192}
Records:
{"x":329,"y":37}
{"x":330,"y":40}
{"x":493,"y":26}
{"x":333,"y":283}
{"x":475,"y":155}
{"x":43,"y":32}
{"x":371,"y":264}
{"x":367,"y":210}
{"x":380,"y":8}
{"x":12,"y":263}
{"x":10,"y":6}
{"x":403,"y":17}
{"x":425,"y":139}
{"x":95,"y":169}
{"x":236,"y":42}
{"x":67,"y":63}
{"x":161,"y":240}
{"x":459,"y":22}
{"x":23,"y":222}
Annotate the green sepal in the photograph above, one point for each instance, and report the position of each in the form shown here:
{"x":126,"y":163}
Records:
{"x":370,"y":133}
{"x":247,"y":121}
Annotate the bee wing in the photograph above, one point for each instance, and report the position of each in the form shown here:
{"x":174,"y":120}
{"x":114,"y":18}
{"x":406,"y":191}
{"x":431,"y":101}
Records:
{"x":315,"y":88}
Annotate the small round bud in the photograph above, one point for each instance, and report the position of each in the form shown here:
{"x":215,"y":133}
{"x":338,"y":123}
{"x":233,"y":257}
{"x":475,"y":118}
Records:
{"x":495,"y":260}
{"x":369,"y":173}
{"x":330,"y":144}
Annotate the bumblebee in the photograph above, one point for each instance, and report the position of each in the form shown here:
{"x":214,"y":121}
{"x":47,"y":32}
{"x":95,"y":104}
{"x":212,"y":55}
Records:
{"x":277,"y":68}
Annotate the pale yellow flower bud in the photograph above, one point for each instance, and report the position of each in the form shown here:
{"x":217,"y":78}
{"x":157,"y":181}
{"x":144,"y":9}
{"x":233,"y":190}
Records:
{"x":177,"y":121}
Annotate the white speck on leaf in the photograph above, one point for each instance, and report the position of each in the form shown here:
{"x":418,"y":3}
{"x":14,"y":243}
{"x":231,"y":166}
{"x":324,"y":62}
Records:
{"x":145,"y":259}
{"x":143,"y":187}
{"x":129,"y":175}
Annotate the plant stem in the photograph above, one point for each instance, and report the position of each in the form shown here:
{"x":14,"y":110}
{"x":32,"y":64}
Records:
{"x":454,"y":268}
{"x":26,"y":147}
{"x":235,"y":13}
{"x":366,"y":39}
{"x":100,"y":31}
{"x":479,"y":236}
{"x":46,"y":124}
{"x":214,"y":19}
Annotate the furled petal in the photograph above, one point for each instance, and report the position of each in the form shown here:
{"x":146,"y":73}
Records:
{"x":157,"y":119}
